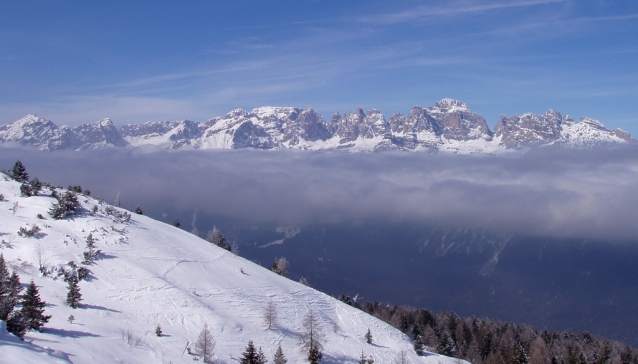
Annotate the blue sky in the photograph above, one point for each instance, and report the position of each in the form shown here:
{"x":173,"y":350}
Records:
{"x":78,"y":62}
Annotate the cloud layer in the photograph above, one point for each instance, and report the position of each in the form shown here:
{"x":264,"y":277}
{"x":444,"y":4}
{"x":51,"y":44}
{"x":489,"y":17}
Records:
{"x":562,"y":193}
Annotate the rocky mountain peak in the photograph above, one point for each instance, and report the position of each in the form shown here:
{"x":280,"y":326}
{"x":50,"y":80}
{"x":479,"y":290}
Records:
{"x":448,"y":126}
{"x":448,"y":103}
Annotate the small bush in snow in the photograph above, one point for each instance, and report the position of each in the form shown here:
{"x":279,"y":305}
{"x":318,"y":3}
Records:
{"x":33,"y":231}
{"x":1,"y":197}
{"x":158,"y":331}
{"x":117,"y":215}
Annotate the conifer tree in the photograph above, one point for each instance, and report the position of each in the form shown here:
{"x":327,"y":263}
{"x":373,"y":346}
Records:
{"x":36,"y":186}
{"x":368,"y":337}
{"x":279,"y":357}
{"x":33,"y":309}
{"x":26,"y":190}
{"x":419,"y":345}
{"x":15,"y":324}
{"x":215,"y":236}
{"x":19,"y":172}
{"x":5,"y":290}
{"x":158,"y":331}
{"x":73,"y":297}
{"x":251,"y":356}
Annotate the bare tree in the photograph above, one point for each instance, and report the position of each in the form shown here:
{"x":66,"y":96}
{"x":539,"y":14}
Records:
{"x":402,"y":357}
{"x":205,"y":344}
{"x":270,"y":315}
{"x":312,"y":337}
{"x":41,"y":256}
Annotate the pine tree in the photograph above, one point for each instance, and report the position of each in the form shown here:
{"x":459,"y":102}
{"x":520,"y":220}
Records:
{"x":15,"y":324}
{"x":74,"y":296}
{"x":279,"y":357}
{"x":205,"y":344}
{"x":19,"y":172}
{"x":419,"y":345}
{"x":36,"y":186}
{"x":251,"y":356}
{"x":26,"y":190}
{"x":33,"y":309}
{"x":158,"y":331}
{"x":5,"y":290}
{"x":67,"y":204}
{"x":368,"y":337}
{"x":14,"y":291}
{"x":91,"y":253}
{"x":138,"y":210}
{"x":215,"y":236}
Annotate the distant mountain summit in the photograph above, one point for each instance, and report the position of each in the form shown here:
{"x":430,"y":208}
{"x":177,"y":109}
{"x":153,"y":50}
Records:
{"x":448,"y":126}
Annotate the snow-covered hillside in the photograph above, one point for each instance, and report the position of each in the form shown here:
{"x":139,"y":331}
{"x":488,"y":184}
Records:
{"x":150,"y":274}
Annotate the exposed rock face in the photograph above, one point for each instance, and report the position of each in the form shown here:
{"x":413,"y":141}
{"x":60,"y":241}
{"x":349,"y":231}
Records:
{"x":448,"y":126}
{"x":458,"y":122}
{"x":96,"y":135}
{"x":529,"y":129}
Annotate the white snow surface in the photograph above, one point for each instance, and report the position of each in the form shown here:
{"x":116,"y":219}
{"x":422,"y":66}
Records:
{"x":151,"y":273}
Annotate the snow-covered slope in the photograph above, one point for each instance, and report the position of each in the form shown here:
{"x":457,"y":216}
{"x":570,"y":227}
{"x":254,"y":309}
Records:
{"x":150,"y":273}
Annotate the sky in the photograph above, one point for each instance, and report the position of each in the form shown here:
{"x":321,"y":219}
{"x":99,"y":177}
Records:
{"x":79,"y":62}
{"x":558,"y":193}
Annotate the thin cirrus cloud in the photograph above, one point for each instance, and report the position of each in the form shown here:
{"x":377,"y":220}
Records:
{"x":587,"y":194}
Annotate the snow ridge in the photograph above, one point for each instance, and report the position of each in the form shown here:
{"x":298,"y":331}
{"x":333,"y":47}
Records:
{"x":149,"y":273}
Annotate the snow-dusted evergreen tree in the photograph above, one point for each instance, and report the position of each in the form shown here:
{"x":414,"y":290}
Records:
{"x":19,"y":172}
{"x":368,"y":337}
{"x":73,"y":297}
{"x":67,"y":204}
{"x":33,"y":308}
{"x":215,"y":236}
{"x":26,"y":190}
{"x":419,"y":345}
{"x":7,"y":301}
{"x":36,"y":186}
{"x":280,"y":266}
{"x":91,"y":253}
{"x":446,"y":346}
{"x":158,"y":331}
{"x":205,"y":344}
{"x":138,"y":210}
{"x":311,"y":338}
{"x":279,"y":357}
{"x":15,"y":324}
{"x":252,"y":356}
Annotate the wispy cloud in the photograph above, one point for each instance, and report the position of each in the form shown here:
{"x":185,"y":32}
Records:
{"x":450,"y":9}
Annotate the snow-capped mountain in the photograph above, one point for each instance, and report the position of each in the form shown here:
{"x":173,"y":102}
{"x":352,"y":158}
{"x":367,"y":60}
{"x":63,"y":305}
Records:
{"x":448,"y":126}
{"x":148,"y":274}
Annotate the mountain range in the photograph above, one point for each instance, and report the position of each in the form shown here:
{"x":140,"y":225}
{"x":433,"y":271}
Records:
{"x":448,"y":126}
